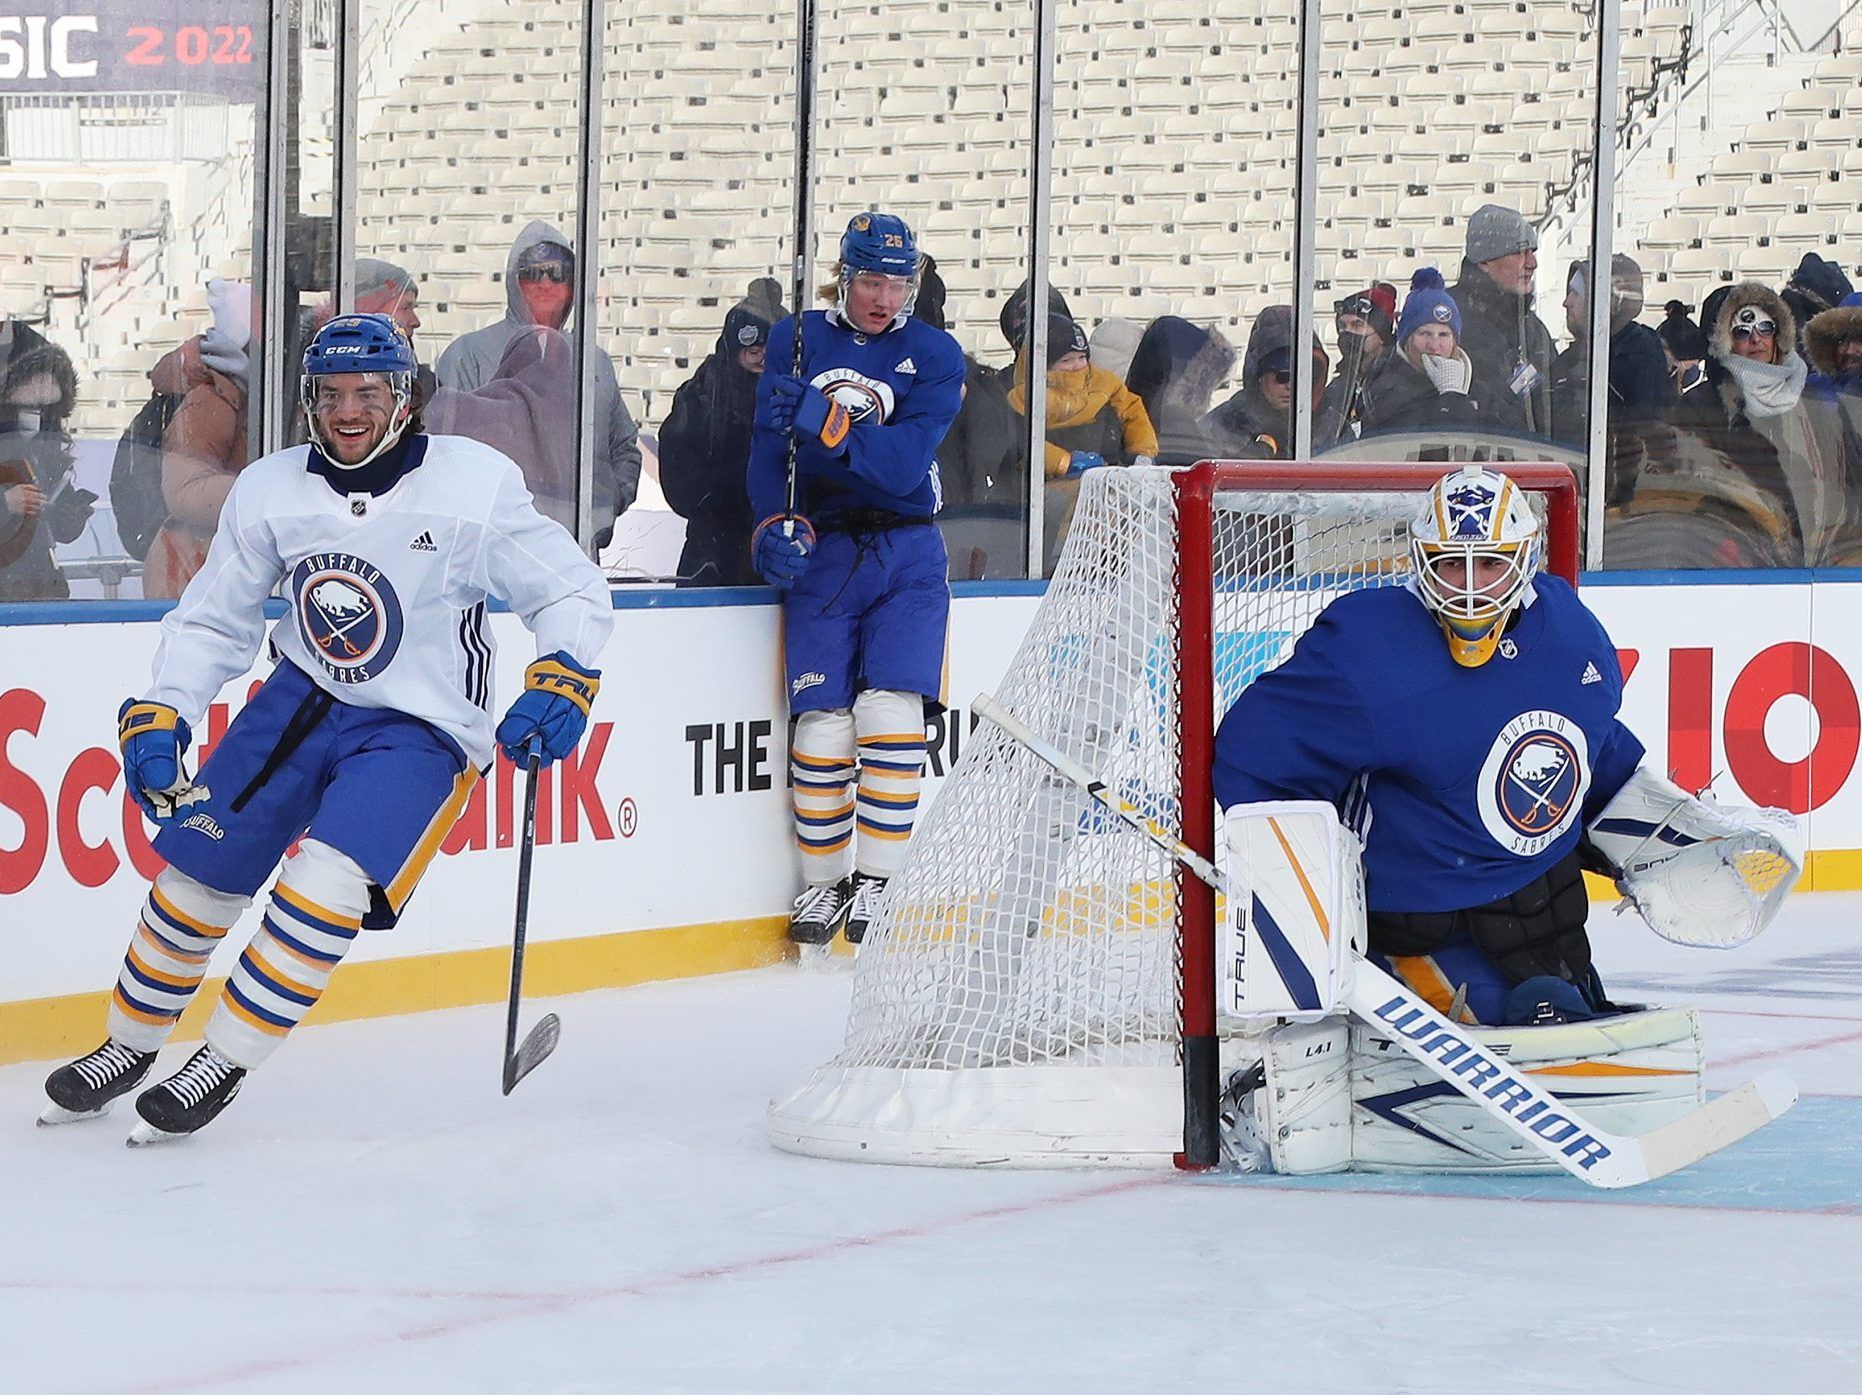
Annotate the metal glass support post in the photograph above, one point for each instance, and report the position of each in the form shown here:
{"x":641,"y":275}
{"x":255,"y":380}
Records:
{"x":1040,"y":189}
{"x":588,"y":260}
{"x":275,"y":113}
{"x":348,"y":172}
{"x":1602,"y":253}
{"x":1306,"y":239}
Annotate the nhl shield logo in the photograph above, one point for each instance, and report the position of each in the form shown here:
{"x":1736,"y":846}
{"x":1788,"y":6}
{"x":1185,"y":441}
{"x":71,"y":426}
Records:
{"x":348,"y":614}
{"x":1533,"y":783}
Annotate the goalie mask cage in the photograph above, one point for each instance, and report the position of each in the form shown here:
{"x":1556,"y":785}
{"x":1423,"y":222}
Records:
{"x":1039,"y":985}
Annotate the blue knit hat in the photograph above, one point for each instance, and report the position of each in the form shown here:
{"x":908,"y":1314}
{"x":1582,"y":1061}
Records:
{"x":1429,"y":303}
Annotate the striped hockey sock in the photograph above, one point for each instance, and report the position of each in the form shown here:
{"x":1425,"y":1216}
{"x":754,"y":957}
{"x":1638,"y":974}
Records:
{"x":311,"y":921}
{"x":892,"y":760}
{"x":822,"y":767}
{"x":181,"y":924}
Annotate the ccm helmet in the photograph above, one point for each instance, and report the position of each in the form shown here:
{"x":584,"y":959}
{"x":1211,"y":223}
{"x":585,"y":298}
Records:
{"x":880,"y":243}
{"x":370,"y":344}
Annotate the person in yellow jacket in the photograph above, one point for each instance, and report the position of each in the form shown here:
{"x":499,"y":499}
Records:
{"x":1092,"y":418}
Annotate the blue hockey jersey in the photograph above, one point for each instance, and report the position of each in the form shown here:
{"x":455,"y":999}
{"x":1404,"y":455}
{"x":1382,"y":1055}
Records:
{"x":1465,"y":783}
{"x":902,"y":389}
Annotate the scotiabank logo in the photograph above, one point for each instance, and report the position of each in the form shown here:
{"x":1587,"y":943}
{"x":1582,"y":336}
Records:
{"x":56,"y":827}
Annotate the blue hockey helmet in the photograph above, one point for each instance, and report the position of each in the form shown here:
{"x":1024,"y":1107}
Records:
{"x":881,"y":243}
{"x":371,"y":344}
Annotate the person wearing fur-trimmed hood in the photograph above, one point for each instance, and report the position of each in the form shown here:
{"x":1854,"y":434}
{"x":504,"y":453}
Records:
{"x":1750,"y":414}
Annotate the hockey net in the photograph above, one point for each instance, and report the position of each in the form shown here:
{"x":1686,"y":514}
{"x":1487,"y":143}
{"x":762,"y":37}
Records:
{"x":1038,"y":986}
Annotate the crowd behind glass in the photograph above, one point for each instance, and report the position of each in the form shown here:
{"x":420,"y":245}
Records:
{"x":1734,"y":433}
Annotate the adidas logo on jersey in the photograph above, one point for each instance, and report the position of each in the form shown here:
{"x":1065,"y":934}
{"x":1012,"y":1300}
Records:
{"x":423,"y":543}
{"x":1590,"y":675}
{"x":907,"y":366}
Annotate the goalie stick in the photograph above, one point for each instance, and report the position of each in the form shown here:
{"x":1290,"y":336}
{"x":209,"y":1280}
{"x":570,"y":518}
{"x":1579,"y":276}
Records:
{"x":1592,"y":1155}
{"x":520,"y":1060}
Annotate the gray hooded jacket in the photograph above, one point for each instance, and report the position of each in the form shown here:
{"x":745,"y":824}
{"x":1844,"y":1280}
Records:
{"x":471,"y":361}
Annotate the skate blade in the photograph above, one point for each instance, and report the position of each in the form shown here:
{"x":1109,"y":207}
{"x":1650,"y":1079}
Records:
{"x":836,"y":956}
{"x":56,"y":1114}
{"x":145,"y":1134}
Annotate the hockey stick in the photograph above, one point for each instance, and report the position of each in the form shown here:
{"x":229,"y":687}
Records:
{"x":1590,"y":1154}
{"x":519,"y":1061}
{"x":804,"y":180}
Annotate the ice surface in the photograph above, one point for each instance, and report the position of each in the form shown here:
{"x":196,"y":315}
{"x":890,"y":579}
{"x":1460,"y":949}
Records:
{"x":370,"y":1215}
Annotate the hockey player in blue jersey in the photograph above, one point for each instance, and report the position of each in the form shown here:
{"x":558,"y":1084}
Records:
{"x":365,"y":741}
{"x":1465,"y":725}
{"x":861,"y":561}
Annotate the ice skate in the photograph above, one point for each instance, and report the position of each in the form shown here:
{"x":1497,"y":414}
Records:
{"x":188,"y":1100}
{"x":87,"y":1087}
{"x":819,"y":912}
{"x":863,"y":905}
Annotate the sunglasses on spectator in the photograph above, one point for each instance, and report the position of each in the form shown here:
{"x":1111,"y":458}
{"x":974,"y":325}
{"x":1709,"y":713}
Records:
{"x":544,"y":271}
{"x":1281,"y":376}
{"x":1767,"y":328}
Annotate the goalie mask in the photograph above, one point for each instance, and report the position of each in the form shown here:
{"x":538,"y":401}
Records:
{"x":376,"y":357}
{"x":1474,"y":553}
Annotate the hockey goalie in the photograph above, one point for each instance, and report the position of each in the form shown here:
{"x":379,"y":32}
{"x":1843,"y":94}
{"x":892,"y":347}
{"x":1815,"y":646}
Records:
{"x":1424,"y":780}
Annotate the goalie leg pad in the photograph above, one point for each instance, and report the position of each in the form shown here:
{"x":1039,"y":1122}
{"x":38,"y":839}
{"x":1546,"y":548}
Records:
{"x":1304,"y":1109}
{"x":1699,"y":873}
{"x":1627,"y":1073}
{"x":1296,"y":910}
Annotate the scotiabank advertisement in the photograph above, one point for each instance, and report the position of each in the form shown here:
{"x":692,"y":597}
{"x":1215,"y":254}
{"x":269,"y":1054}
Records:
{"x":675,"y":811}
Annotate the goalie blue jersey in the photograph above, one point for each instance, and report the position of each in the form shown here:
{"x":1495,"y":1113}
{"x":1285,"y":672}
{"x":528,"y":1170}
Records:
{"x":1465,"y":783}
{"x":902,"y":389}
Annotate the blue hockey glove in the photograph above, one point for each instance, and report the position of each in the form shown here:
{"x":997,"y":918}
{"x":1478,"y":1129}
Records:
{"x":1082,"y":461}
{"x":153,"y":737}
{"x":808,"y":411}
{"x":551,"y":713}
{"x":782,"y":556}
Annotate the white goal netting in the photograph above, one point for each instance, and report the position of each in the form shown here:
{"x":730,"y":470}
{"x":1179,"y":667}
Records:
{"x":1019,"y":997}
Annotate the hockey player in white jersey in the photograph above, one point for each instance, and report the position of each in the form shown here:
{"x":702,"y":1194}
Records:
{"x":1465,"y":725}
{"x":363,"y":744}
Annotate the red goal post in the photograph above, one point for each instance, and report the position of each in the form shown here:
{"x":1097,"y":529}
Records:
{"x":1555,"y":490}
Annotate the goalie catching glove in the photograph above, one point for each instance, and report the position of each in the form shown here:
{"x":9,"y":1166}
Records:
{"x":551,"y":713}
{"x":154,"y":737}
{"x":1700,"y":873}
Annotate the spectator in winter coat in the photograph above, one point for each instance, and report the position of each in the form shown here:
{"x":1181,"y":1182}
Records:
{"x":1366,"y":326}
{"x":539,"y":283}
{"x":1175,"y":372}
{"x":39,"y":503}
{"x":1503,"y":334}
{"x":981,"y":459}
{"x":1259,"y":418}
{"x":1817,"y":285}
{"x":704,"y":446}
{"x":1641,"y":391}
{"x":1092,"y":418}
{"x":1426,"y":381}
{"x":1684,"y":345}
{"x":205,"y":445}
{"x":1013,"y":322}
{"x":1833,"y":396}
{"x":1748,"y":420}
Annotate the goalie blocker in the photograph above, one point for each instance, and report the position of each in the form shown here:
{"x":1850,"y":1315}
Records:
{"x":1331,"y":1094}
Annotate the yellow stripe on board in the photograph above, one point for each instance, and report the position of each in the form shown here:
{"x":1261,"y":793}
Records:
{"x":44,"y":1029}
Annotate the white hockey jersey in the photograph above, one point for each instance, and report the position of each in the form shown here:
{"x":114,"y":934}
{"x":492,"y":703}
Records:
{"x":386,"y":593}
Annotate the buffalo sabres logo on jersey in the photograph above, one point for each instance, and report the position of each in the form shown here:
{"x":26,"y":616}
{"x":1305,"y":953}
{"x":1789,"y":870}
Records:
{"x":1533,"y":783}
{"x":348,"y":614}
{"x":863,"y":397}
